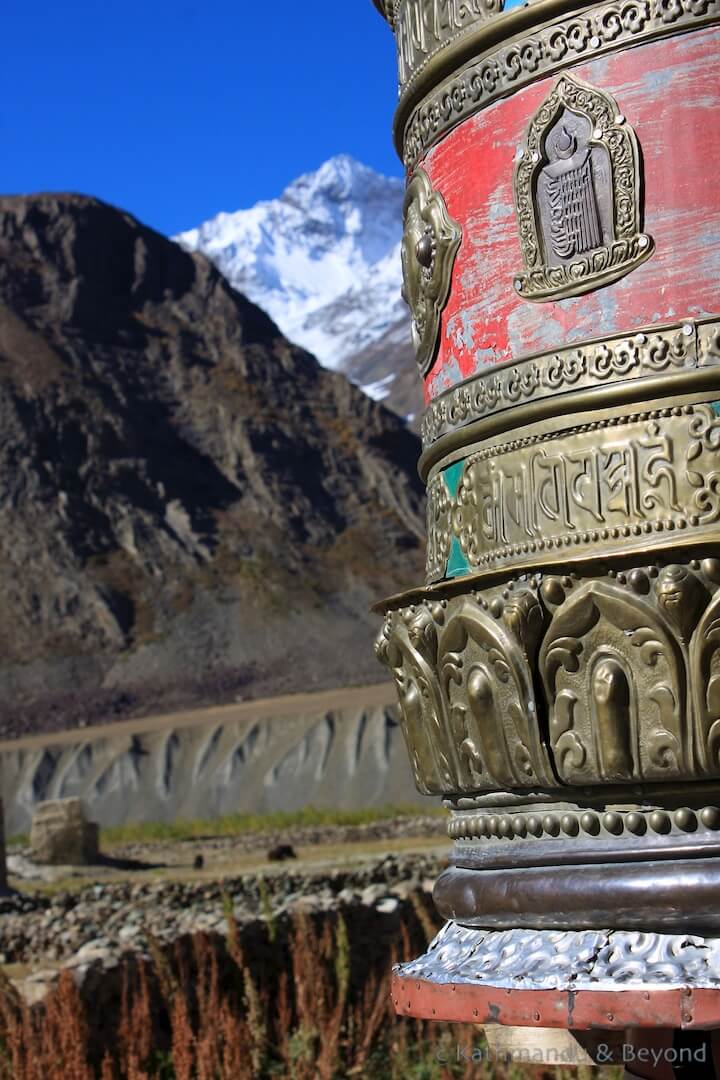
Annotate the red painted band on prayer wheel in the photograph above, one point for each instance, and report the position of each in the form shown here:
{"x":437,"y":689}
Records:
{"x":668,"y":90}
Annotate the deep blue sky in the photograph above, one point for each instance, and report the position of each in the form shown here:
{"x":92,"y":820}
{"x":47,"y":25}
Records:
{"x":175,"y":111}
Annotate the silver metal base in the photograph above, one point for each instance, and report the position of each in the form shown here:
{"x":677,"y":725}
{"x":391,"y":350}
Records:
{"x":567,"y":960}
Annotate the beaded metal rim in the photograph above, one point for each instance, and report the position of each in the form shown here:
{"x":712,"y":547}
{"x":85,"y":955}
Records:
{"x":590,"y":823}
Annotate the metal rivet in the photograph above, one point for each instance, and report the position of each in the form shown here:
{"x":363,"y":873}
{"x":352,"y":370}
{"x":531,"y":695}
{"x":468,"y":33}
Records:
{"x":710,"y":567}
{"x":590,"y":823}
{"x":613,"y":823}
{"x":660,"y":822}
{"x":424,"y":251}
{"x":685,"y":819}
{"x":636,"y":823}
{"x":638,"y":580}
{"x":552,"y":591}
{"x":710,"y":817}
{"x":534,"y":825}
{"x":505,"y":828}
{"x":551,"y":825}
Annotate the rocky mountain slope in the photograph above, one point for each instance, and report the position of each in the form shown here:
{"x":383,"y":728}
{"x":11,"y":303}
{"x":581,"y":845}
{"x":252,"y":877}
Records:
{"x":323,"y":260}
{"x":191,"y":508}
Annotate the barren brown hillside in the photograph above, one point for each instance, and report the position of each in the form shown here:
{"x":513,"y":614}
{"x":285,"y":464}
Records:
{"x":191,"y":508}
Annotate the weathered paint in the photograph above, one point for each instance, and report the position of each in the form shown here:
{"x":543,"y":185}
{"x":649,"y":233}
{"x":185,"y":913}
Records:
{"x":670,"y":93}
{"x":578,"y":1010}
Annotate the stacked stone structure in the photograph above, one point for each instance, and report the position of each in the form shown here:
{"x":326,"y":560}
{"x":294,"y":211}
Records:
{"x":61,"y":836}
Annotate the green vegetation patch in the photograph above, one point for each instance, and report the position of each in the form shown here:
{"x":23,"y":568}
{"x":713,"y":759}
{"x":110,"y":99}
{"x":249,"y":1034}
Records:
{"x":237,"y":824}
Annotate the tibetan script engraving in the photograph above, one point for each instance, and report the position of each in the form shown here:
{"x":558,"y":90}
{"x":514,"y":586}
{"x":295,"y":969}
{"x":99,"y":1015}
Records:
{"x":642,"y":477}
{"x":566,"y":193}
{"x":625,"y":480}
{"x":423,"y":26}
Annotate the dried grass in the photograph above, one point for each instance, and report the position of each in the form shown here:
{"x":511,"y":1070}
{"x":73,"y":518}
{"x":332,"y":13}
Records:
{"x":304,"y":1002}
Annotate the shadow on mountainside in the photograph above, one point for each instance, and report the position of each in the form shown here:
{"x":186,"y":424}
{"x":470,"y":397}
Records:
{"x":191,"y":506}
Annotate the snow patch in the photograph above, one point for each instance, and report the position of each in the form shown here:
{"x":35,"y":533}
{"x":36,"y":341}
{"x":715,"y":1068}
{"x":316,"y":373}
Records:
{"x":323,"y":259}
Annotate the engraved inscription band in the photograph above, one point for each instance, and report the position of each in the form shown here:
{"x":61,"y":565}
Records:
{"x":584,"y":490}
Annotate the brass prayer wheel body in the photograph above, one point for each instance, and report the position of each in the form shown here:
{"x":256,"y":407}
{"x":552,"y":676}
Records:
{"x":559,"y":669}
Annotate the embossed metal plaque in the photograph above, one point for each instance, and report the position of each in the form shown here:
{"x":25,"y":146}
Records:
{"x":430,"y":243}
{"x":577,"y":195}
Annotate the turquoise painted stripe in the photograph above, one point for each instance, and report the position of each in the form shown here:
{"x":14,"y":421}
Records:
{"x":457,"y":564}
{"x":452,"y":476}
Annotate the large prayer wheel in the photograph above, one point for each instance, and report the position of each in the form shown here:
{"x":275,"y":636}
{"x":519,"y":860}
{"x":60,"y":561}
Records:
{"x":559,"y":668}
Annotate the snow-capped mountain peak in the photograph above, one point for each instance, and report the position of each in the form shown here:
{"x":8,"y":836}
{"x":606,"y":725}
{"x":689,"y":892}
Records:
{"x":323,"y":259}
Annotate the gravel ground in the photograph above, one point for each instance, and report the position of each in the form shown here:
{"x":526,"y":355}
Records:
{"x":99,"y":922}
{"x":173,"y":852}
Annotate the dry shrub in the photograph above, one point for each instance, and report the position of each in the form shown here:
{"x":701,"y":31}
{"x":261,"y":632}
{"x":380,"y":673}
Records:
{"x":52,"y":1041}
{"x":309,"y":1001}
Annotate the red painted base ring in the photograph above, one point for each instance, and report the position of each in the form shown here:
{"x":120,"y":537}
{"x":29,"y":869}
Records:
{"x":579,"y":1010}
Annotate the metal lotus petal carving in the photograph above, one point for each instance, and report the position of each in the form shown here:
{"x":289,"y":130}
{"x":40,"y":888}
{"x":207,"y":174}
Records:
{"x":628,"y":674}
{"x":577,"y":195}
{"x":430,"y":243}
